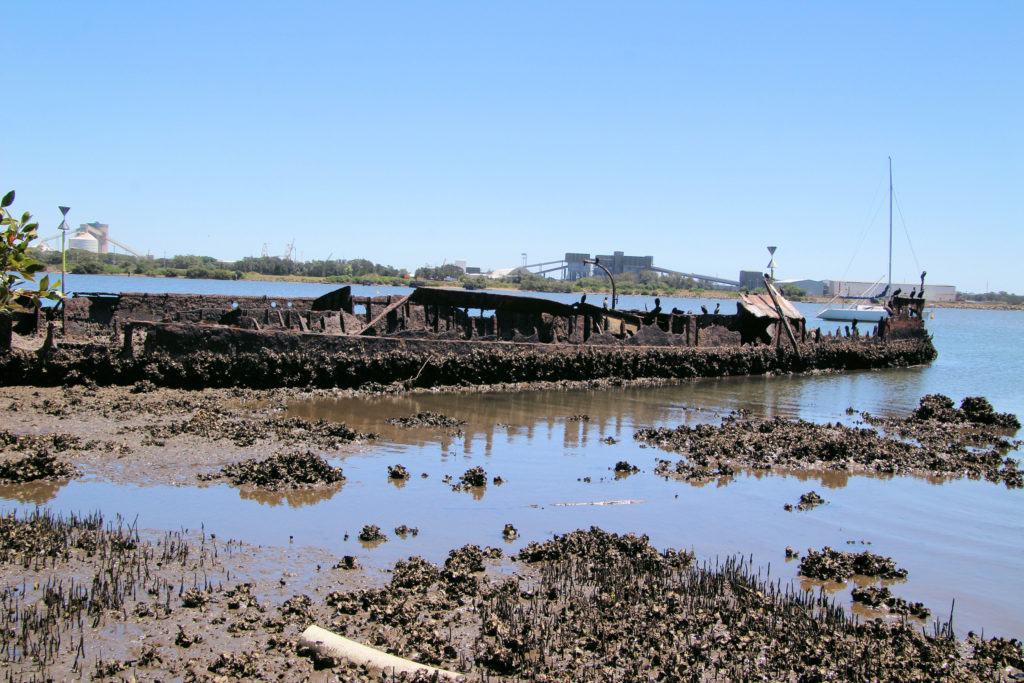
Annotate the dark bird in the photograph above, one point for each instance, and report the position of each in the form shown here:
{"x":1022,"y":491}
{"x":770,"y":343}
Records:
{"x":897,"y":292}
{"x":583,"y":299}
{"x":913,"y":292}
{"x":718,"y":307}
{"x":704,"y":310}
{"x":920,"y":295}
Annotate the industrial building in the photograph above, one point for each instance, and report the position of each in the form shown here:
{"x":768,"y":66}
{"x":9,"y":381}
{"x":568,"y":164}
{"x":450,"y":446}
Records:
{"x":575,"y":268}
{"x":862,"y":288}
{"x":617,"y":263}
{"x":92,"y":237}
{"x":751,"y":280}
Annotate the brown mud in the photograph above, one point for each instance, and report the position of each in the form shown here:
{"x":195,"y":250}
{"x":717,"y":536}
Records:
{"x":160,"y":437}
{"x":85,"y":598}
{"x":35,"y":467}
{"x":808,"y":501}
{"x":426,"y":419}
{"x":474,"y":477}
{"x":948,"y":444}
{"x":282,"y":471}
{"x":836,"y":565}
{"x":584,"y":606}
{"x":102,"y":600}
{"x":882,"y":598}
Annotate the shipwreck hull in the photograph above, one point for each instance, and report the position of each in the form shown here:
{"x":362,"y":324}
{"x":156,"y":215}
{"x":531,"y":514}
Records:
{"x":194,"y":357}
{"x":431,"y":338}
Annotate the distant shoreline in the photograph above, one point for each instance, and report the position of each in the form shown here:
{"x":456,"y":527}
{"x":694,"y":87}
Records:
{"x":706,"y":294}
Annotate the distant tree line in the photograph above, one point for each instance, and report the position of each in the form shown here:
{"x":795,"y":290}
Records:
{"x":994,"y":297}
{"x":275,"y":265}
{"x":439,"y":273}
{"x":647,"y":283}
{"x":207,"y":267}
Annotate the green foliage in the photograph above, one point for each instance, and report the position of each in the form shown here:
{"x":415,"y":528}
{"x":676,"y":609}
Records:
{"x":791,"y":291}
{"x":476,"y":282}
{"x":202,"y":273}
{"x":440,"y":273}
{"x":17,"y":267}
{"x":87,"y":268}
{"x":383,"y":280}
{"x":531,"y":282}
{"x":993,"y":297}
{"x":356,"y":268}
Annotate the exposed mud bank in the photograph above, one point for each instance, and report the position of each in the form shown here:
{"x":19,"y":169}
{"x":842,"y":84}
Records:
{"x":282,"y":472}
{"x":835,"y":565}
{"x":164,"y":437}
{"x":227,"y":357}
{"x":88,"y":599}
{"x":947,"y":443}
{"x":585,"y":606}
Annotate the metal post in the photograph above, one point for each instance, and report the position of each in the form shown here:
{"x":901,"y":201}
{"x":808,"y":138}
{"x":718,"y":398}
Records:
{"x":63,"y":266}
{"x":597,"y":262}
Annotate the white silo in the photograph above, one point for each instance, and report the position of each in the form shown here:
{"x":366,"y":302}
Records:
{"x":84,"y":241}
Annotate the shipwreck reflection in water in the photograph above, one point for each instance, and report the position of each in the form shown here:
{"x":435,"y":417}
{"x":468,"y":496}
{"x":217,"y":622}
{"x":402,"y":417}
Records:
{"x":35,"y":492}
{"x":292,"y":498}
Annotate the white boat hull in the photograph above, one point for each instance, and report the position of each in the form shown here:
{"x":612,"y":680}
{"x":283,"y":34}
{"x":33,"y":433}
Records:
{"x":862,"y":314}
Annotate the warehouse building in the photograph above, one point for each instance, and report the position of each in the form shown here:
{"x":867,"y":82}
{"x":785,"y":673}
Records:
{"x":863,"y":288}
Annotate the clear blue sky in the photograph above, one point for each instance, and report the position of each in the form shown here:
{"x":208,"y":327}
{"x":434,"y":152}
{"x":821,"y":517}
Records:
{"x":423,"y":132}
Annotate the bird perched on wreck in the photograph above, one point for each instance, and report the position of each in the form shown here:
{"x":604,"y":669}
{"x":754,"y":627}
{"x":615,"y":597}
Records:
{"x":704,"y":310}
{"x":897,"y":292}
{"x":718,"y":307}
{"x":913,"y":292}
{"x":583,"y":299}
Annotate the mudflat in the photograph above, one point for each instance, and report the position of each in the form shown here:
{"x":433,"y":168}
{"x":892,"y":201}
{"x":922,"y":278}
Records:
{"x":87,"y":597}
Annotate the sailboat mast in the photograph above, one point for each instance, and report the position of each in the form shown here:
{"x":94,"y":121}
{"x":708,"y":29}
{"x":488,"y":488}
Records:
{"x":890,"y":226}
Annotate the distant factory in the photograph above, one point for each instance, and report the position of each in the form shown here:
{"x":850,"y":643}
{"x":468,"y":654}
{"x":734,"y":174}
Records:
{"x":91,"y":237}
{"x":617,"y":262}
{"x":578,"y":265}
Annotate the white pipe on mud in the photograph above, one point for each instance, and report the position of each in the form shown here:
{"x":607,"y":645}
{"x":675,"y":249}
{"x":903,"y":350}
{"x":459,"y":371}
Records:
{"x":600,"y":502}
{"x":324,"y":643}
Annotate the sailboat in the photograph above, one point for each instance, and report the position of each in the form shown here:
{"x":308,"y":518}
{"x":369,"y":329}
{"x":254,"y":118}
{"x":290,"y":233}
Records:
{"x":851,"y":310}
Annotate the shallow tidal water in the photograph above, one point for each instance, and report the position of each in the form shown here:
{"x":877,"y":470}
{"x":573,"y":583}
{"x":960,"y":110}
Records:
{"x":959,"y":540}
